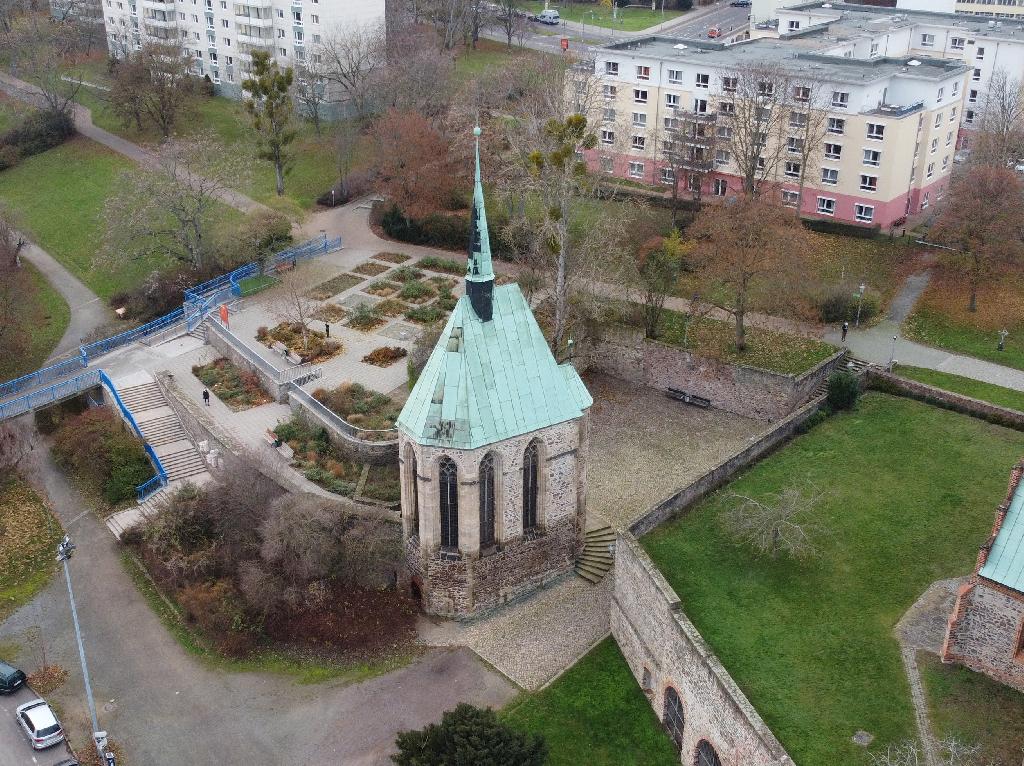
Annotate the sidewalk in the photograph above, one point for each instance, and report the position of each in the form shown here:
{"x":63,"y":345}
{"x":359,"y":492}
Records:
{"x":27,"y":92}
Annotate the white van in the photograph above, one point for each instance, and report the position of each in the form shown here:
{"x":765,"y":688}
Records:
{"x":549,"y":17}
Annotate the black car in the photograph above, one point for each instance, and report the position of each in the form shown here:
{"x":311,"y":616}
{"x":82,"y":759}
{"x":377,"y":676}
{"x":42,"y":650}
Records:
{"x":740,"y":3}
{"x":11,"y":679}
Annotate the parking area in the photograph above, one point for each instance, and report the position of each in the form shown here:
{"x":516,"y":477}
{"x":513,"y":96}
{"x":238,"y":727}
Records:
{"x":14,"y":746}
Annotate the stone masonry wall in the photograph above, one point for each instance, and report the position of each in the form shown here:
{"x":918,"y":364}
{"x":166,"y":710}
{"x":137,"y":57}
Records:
{"x":624,"y":353}
{"x":359,"y":450}
{"x":985,"y":631}
{"x":278,"y":391}
{"x":664,"y":650}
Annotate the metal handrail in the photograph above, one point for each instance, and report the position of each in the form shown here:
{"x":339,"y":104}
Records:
{"x":91,"y":351}
{"x":41,"y":376}
{"x":333,"y":417}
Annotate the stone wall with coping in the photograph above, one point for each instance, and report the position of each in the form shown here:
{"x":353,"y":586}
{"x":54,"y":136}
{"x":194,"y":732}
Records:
{"x":276,"y":389}
{"x":664,"y":649}
{"x":358,"y":450}
{"x":624,"y":352}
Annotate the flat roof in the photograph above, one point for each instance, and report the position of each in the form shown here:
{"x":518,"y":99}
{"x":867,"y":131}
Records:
{"x":797,"y":55}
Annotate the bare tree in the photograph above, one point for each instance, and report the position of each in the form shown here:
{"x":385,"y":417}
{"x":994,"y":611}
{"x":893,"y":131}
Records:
{"x":510,"y":19}
{"x":948,"y":752}
{"x":300,"y":537}
{"x":351,"y":60}
{"x":479,"y":18}
{"x":781,"y":523}
{"x":170,"y":212}
{"x":40,"y":51}
{"x":154,"y":84}
{"x":417,"y":76}
{"x":688,"y":142}
{"x":755,"y":123}
{"x":452,"y":18}
{"x":311,"y":91}
{"x":999,"y":139}
{"x":294,"y":306}
{"x":808,"y":126}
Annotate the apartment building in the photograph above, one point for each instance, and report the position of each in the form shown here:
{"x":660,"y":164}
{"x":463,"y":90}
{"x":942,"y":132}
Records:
{"x":221,"y":35}
{"x":890,"y":122}
{"x":998,"y":9}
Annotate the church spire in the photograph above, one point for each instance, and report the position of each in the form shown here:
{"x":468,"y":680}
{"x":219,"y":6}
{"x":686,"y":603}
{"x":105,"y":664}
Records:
{"x":479,"y":272}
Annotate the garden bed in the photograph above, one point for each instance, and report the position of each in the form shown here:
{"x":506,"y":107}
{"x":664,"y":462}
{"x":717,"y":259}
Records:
{"x":391,"y":308}
{"x":382,"y":289}
{"x":416,"y":292}
{"x":406,"y":274}
{"x":359,"y":406}
{"x":331,"y":313}
{"x":426,"y":314}
{"x":371,"y":269}
{"x":316,"y":459}
{"x":365,"y":318}
{"x":909,"y":494}
{"x":315,"y":348}
{"x":385,"y":356}
{"x":443,"y":265}
{"x":382,"y":483}
{"x":395,"y":258}
{"x":239,"y":389}
{"x":332,"y":287}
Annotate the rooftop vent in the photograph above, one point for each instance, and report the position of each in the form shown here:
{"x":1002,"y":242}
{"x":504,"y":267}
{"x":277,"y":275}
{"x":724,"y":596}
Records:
{"x":913,"y":62}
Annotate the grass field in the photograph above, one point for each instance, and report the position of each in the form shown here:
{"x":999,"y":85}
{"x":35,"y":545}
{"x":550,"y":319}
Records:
{"x":629,"y":19}
{"x":909,"y":492}
{"x":47,"y":316}
{"x":974,"y":709}
{"x":28,"y":543}
{"x":986,"y":392}
{"x":941,"y":318}
{"x":489,"y":55}
{"x":595,"y":714}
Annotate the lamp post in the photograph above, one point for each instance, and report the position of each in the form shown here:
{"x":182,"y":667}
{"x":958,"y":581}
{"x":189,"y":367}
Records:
{"x":860,"y":300}
{"x":892,"y":353}
{"x":1002,"y":339}
{"x":64,"y":551}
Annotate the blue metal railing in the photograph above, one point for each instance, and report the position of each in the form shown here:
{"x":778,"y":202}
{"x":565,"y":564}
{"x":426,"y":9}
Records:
{"x":91,"y":351}
{"x":49,"y":395}
{"x":39,"y":377}
{"x":243,"y":272}
{"x":155,"y":484}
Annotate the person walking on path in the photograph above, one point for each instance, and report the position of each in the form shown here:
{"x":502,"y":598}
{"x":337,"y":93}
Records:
{"x":846,"y":329}
{"x":206,"y":397}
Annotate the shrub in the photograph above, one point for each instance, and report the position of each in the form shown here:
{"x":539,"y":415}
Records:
{"x":843,"y":229}
{"x":442,"y":264}
{"x":95,"y":446}
{"x":424,"y":314}
{"x":129,"y":467}
{"x":365,"y":317}
{"x":385,"y":356}
{"x":843,"y":390}
{"x":38,"y":132}
{"x":161,"y":292}
{"x":841,"y":305}
{"x":9,"y":157}
{"x":819,"y":417}
{"x":405,"y":274}
{"x":416,"y":292}
{"x":469,"y":734}
{"x":349,"y":187}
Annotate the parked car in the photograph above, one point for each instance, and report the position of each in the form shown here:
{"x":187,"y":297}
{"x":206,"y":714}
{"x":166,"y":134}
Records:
{"x":551,"y":17}
{"x":740,"y":3}
{"x":39,"y":724}
{"x":714,"y":32}
{"x":11,"y":679}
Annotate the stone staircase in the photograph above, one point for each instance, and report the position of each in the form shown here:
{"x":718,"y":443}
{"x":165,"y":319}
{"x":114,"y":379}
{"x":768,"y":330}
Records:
{"x":852,"y":364}
{"x":164,"y":433}
{"x":598,"y":554}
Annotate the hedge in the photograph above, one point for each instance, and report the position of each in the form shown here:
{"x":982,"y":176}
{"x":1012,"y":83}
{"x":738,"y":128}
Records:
{"x":35,"y":134}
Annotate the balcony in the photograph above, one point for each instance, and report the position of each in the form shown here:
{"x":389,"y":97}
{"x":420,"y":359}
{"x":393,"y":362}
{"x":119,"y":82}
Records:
{"x":262,"y":43}
{"x":159,"y":4}
{"x":254,"y":21}
{"x":162,"y":23}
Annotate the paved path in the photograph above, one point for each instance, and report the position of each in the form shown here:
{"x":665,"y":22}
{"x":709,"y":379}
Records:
{"x":167,"y":707}
{"x":88,"y":312}
{"x":83,"y":122}
{"x":876,"y":344}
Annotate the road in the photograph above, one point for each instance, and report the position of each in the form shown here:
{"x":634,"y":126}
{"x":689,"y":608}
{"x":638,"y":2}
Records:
{"x":14,"y":747}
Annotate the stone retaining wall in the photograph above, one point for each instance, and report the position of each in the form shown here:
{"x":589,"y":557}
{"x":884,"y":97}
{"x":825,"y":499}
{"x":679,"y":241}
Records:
{"x":985,"y":631}
{"x":270,"y":381}
{"x":623,"y":352}
{"x":893,"y":384}
{"x":664,"y":650}
{"x":719,"y":474}
{"x":355,"y":449}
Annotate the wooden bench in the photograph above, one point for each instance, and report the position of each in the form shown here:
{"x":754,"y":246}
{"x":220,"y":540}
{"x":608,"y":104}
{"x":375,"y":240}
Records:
{"x":688,"y":398}
{"x":284,"y":266}
{"x":271,"y":438}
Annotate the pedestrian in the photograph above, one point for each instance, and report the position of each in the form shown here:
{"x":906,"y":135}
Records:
{"x":846,"y":329}
{"x":206,"y":397}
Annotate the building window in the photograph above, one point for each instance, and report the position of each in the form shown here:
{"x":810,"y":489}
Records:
{"x":487,"y":502}
{"x":945,"y":163}
{"x":935,"y":146}
{"x":797,"y":120}
{"x":729,"y":84}
{"x":700,"y":105}
{"x":607,"y":136}
{"x":840,"y":100}
{"x":792,"y":169}
{"x":864,"y":213}
{"x":643,"y":73}
{"x":610,"y":91}
{"x":940,"y":95}
{"x":675,"y":76}
{"x":724,"y":132}
{"x":976,"y":76}
{"x":931,"y":170}
{"x":720,"y":187}
{"x":706,"y":755}
{"x":836,"y":125}
{"x":727,"y":108}
{"x":608,"y":115}
{"x":668,"y":176}
{"x":869,"y":183}
{"x":448,"y":485}
{"x":702,"y":80}
{"x":956,"y":89}
{"x":876,"y":132}
{"x":636,"y":170}
{"x":826,"y":206}
{"x":938,"y":119}
{"x":956,"y":43}
{"x":672,"y":100}
{"x":314,"y":18}
{"x":607,"y":165}
{"x":640,"y":119}
{"x":794,"y":25}
{"x":673,"y":716}
{"x":924,"y":201}
{"x":872,"y":157}
{"x":829,"y":176}
{"x":949,"y":138}
{"x":639,"y":96}
{"x":833,"y":151}
{"x":952,"y":114}
{"x":790,"y":198}
{"x":969,"y":117}
{"x":927,"y":41}
{"x":972,"y":97}
{"x":980,"y":54}
{"x":874,"y":50}
{"x":766,"y":88}
{"x":722,"y":157}
{"x":414,"y":510}
{"x":611,"y":67}
{"x":639,"y":142}
{"x":794,"y":145}
{"x":801,"y":93}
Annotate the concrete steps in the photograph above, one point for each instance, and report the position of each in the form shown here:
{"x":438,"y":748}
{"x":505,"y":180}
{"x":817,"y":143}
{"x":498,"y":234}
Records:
{"x":183,"y":464}
{"x":146,"y":396}
{"x":598,"y":555}
{"x":163,"y":429}
{"x":853,"y":364}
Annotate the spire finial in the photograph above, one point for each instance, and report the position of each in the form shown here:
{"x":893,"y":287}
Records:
{"x":479,"y":273}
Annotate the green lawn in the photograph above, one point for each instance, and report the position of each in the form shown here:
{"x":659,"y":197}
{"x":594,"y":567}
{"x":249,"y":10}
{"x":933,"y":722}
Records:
{"x":974,"y":709}
{"x":909,"y":495}
{"x":595,"y":714}
{"x":986,"y":392}
{"x":488,"y":55}
{"x":936,"y":328}
{"x":766,"y":349}
{"x":629,"y":19}
{"x":28,"y":544}
{"x":47,"y":317}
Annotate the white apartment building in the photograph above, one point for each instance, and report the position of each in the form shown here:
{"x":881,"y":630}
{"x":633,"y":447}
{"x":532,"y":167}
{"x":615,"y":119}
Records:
{"x":892,"y":122}
{"x":999,"y":9}
{"x":222,"y":34}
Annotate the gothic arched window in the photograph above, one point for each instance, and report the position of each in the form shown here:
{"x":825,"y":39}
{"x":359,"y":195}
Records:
{"x":414,"y":512}
{"x":487,"y":501}
{"x":531,"y":465}
{"x":673,"y":718}
{"x":706,"y":755}
{"x":448,"y":485}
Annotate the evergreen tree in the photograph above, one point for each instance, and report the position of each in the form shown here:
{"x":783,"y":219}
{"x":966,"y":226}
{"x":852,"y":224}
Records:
{"x":270,"y":105}
{"x":469,"y":736}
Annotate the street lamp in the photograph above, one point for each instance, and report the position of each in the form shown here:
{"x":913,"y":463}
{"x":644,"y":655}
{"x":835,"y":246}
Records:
{"x":860,"y":300}
{"x":1002,"y":339}
{"x":64,"y":551}
{"x":892,"y":353}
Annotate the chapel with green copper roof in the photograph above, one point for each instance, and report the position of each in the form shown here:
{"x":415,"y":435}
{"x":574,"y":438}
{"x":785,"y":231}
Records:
{"x":493,"y":442}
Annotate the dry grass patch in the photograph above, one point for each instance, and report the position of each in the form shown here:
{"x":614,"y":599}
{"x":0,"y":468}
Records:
{"x":29,"y":534}
{"x":330,"y":312}
{"x":385,"y":356}
{"x":381,"y":289}
{"x":239,"y":389}
{"x":315,"y":347}
{"x":391,"y":308}
{"x":392,"y":257}
{"x":371,"y":269}
{"x":332,"y":287}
